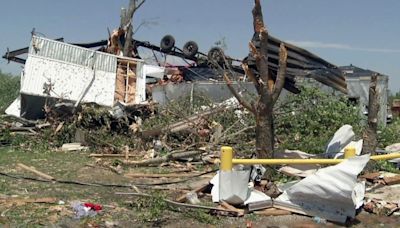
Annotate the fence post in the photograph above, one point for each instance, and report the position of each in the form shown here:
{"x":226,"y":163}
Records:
{"x":349,"y":152}
{"x":226,"y":158}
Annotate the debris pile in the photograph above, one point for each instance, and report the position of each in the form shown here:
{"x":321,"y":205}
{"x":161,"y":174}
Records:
{"x":123,"y":114}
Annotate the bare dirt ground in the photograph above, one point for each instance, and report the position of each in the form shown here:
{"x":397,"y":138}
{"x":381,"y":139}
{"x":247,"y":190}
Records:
{"x":119,"y":210}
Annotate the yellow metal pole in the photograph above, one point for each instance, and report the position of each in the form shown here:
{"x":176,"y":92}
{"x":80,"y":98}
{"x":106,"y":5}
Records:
{"x":286,"y":161}
{"x":349,"y":152}
{"x":226,"y":158}
{"x":306,"y":161}
{"x":386,"y":156}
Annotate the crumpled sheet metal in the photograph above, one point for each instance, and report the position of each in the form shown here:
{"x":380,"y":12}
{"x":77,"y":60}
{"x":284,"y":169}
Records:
{"x":342,"y":137}
{"x":233,"y":187}
{"x":332,"y":193}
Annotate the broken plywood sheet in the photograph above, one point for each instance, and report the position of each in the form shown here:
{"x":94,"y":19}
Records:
{"x":125,"y":82}
{"x":332,"y":193}
{"x":131,"y":86}
{"x":388,"y":193}
{"x":120,"y":84}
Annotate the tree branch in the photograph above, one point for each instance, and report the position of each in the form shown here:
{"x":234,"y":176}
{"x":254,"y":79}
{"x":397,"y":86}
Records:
{"x":252,"y":77}
{"x":127,"y":25}
{"x":281,"y":74}
{"x":260,"y":52}
{"x":237,"y":95}
{"x":258,"y":22}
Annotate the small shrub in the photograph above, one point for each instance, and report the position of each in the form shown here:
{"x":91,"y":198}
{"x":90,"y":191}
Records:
{"x":390,"y":134}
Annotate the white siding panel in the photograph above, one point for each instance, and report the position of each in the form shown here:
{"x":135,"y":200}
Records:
{"x":68,"y":81}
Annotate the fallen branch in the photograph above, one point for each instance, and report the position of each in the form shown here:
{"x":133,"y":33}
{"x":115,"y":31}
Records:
{"x":141,"y":185}
{"x":167,"y":158}
{"x":176,"y":204}
{"x":182,"y":125}
{"x":237,"y":133}
{"x":159,"y":175}
{"x":111,"y":155}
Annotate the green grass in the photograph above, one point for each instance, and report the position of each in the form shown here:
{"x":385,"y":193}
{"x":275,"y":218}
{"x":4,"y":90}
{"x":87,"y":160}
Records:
{"x":72,"y":166}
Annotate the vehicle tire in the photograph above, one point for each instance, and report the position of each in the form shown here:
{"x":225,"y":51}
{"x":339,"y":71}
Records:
{"x":167,"y":43}
{"x":216,"y":54}
{"x":190,"y":49}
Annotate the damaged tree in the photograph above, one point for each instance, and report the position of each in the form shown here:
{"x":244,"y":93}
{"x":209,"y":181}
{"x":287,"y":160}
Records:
{"x":370,"y":134}
{"x":126,"y":24}
{"x":268,"y":85}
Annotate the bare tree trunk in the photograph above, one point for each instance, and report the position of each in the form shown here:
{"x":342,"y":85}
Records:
{"x":126,"y":24}
{"x":268,"y":85}
{"x":370,"y":134}
{"x":265,"y":134}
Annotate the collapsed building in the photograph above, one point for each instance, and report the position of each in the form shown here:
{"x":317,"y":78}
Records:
{"x":57,"y":71}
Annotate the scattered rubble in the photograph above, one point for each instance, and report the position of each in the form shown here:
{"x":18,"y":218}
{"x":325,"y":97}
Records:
{"x":118,"y":110}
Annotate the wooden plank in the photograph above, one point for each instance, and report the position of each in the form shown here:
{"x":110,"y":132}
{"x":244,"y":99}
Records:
{"x":272,"y":212}
{"x":22,"y":201}
{"x":371,"y":176}
{"x":392,"y":180}
{"x":227,"y":206}
{"x":33,"y":170}
{"x":159,"y":175}
{"x":182,"y":198}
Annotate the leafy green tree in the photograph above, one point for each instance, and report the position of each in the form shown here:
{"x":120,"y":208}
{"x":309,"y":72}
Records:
{"x":308,"y":120}
{"x":9,"y":89}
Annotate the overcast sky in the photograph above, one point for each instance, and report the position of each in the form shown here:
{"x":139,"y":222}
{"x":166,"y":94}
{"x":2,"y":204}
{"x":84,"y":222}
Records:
{"x":365,"y":33}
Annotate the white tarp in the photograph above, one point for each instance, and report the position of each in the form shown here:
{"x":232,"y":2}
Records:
{"x":332,"y":193}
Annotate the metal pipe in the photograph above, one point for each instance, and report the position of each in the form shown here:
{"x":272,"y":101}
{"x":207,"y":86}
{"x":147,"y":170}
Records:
{"x":227,"y":160}
{"x":285,"y":161}
{"x":305,"y":161}
{"x":386,"y":156}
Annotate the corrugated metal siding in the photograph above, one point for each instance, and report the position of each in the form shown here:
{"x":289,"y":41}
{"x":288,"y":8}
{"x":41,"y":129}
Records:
{"x":72,"y":54}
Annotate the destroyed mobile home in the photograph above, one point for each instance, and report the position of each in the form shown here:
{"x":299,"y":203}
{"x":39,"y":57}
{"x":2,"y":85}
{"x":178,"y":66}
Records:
{"x":62,"y":77}
{"x":55,"y":70}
